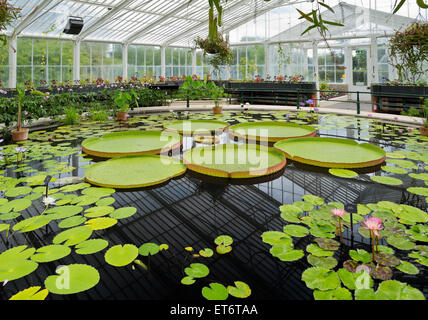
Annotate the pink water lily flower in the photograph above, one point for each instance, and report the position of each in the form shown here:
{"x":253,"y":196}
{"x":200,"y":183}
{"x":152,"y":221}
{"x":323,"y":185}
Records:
{"x":339,"y":212}
{"x":373,"y":224}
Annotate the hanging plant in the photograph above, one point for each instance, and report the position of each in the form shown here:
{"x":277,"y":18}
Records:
{"x":408,"y":51}
{"x":8,"y":13}
{"x":219,"y":48}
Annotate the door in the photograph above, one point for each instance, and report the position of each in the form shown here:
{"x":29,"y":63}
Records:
{"x":360,"y":69}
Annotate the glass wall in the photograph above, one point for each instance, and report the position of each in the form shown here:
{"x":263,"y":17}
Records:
{"x":100,"y":60}
{"x":248,"y":62}
{"x":144,"y":61}
{"x":43,"y":61}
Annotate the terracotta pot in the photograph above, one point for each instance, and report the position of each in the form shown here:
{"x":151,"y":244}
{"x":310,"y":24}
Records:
{"x":217,"y":110}
{"x":424,"y":131}
{"x":121,"y":116}
{"x":20,"y":135}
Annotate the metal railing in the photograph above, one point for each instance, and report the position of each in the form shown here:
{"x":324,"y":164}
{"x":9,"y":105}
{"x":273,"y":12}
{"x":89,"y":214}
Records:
{"x":302,"y":95}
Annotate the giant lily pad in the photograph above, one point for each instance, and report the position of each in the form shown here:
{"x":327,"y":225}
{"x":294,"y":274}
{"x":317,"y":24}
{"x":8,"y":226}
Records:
{"x":234,"y":161}
{"x":196,"y":126}
{"x":127,"y":143}
{"x":332,"y":152}
{"x":134,"y":172}
{"x":72,"y":279}
{"x":271,"y":131}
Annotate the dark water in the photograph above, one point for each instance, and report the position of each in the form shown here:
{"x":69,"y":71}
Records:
{"x":193,"y":211}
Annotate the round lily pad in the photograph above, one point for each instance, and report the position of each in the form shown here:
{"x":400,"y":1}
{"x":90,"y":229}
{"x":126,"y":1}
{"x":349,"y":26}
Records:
{"x":197,"y":270}
{"x":343,"y":173}
{"x":123,"y":213}
{"x":196,"y":126}
{"x":271,"y":131}
{"x":91,"y":246}
{"x":215,"y":291}
{"x":16,"y":268}
{"x":72,"y":279}
{"x":120,"y":256}
{"x":148,"y":249}
{"x":324,"y":262}
{"x":50,"y":253}
{"x":134,"y":172}
{"x":127,"y":143}
{"x":63,"y":212}
{"x":332,"y":152}
{"x":320,"y":278}
{"x":31,"y":224}
{"x":98,"y":211}
{"x":101,"y":223}
{"x":18,"y":191}
{"x":387,"y":180}
{"x":71,"y":237}
{"x":234,"y":161}
{"x":71,"y":222}
{"x":240,"y":290}
{"x":296,"y":231}
{"x":407,"y":267}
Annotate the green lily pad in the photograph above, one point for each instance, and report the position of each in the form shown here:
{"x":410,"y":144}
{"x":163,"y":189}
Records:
{"x":386,"y":259}
{"x":73,"y":236}
{"x":223,"y":240}
{"x":395,"y":290}
{"x":15,"y":205}
{"x":400,"y":243}
{"x":419,"y":191}
{"x":63,"y":212}
{"x":91,"y":246}
{"x":296,"y":231}
{"x":286,"y":253}
{"x":72,"y":279}
{"x":101,"y":223}
{"x":96,"y":212}
{"x":412,"y":214}
{"x":240,"y":290}
{"x":317,"y":251}
{"x":9,"y":216}
{"x":197,"y":270}
{"x":206,"y":253}
{"x":188,"y":281}
{"x":327,"y":244}
{"x":336,"y":294}
{"x":18,"y":191}
{"x":31,"y":224}
{"x":343,"y":173}
{"x":324,"y":262}
{"x":71,"y":222}
{"x":123,"y":213}
{"x":31,"y":293}
{"x":316,"y":201}
{"x":396,"y":170}
{"x":387,"y":180}
{"x":50,"y":253}
{"x":407,"y":267}
{"x":120,"y":256}
{"x":105,"y":201}
{"x":215,"y":291}
{"x":320,"y":278}
{"x":360,"y":255}
{"x":148,"y":249}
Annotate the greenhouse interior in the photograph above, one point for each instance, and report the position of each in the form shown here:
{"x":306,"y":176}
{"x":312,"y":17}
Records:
{"x":214,"y":150}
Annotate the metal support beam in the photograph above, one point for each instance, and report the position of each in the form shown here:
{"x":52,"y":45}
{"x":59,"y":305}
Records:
{"x":140,"y":32}
{"x":101,"y":21}
{"x":316,"y":70}
{"x":373,"y":76}
{"x":163,"y":62}
{"x":76,"y":61}
{"x":193,"y":61}
{"x":12,"y":62}
{"x":32,"y":16}
{"x":267,"y":61}
{"x":125,"y":61}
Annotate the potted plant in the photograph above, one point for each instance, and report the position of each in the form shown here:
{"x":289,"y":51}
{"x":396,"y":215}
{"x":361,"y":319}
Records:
{"x":216,"y":93}
{"x":122,"y":100}
{"x":20,"y":134}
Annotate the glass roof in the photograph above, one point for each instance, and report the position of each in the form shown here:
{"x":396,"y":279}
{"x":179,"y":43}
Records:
{"x":177,"y":22}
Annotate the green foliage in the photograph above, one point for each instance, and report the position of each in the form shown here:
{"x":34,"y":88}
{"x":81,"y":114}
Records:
{"x":71,"y":116}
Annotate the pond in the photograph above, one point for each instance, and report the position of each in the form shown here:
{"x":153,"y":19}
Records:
{"x":194,"y":231}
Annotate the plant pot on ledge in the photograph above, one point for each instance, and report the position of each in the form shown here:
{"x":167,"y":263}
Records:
{"x":424,"y":131}
{"x":20,"y":135}
{"x":122,"y":116}
{"x":217,"y":109}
